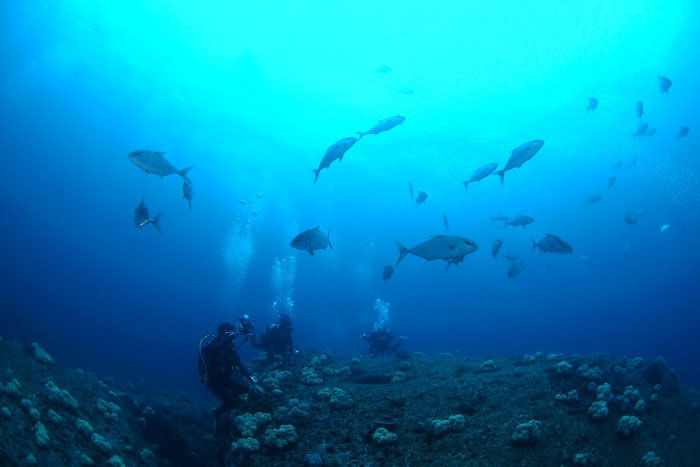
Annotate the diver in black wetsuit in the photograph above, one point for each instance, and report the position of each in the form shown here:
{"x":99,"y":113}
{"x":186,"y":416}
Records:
{"x":277,"y":339}
{"x":382,"y":341}
{"x":218,"y":362}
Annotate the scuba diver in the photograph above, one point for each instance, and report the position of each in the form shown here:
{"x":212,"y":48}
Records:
{"x":277,"y":339}
{"x":221,"y":369}
{"x":381,"y":341}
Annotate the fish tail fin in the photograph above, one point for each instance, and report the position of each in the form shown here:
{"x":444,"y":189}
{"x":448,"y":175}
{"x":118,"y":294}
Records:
{"x":311,"y":252}
{"x":189,"y":201}
{"x":156,"y":222}
{"x":403,"y":251}
{"x":501,"y":173}
{"x":448,"y":266}
{"x":316,"y":172}
{"x":329,"y":238}
{"x":534,"y":244}
{"x":183,"y":172}
{"x":466,"y":184}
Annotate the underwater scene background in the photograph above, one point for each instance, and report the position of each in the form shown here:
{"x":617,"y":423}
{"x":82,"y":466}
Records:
{"x":252,"y":95}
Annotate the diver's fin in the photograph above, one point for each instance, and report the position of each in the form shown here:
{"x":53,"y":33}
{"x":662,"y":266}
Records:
{"x":156,"y":221}
{"x":403,"y":251}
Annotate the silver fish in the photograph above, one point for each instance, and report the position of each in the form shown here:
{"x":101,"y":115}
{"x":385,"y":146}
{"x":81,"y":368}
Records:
{"x":383,"y":125}
{"x":187,"y":191}
{"x":142,"y":218}
{"x":552,"y":244}
{"x":520,"y":155}
{"x":154,"y":162}
{"x":682,"y":132}
{"x":496,"y":247}
{"x":519,"y":221}
{"x":481,"y":173}
{"x":444,"y":221}
{"x":592,"y":104}
{"x":640,"y":109}
{"x":384,"y":69}
{"x":410,"y":189}
{"x":312,"y":240}
{"x":611,"y":181}
{"x":336,"y":151}
{"x":444,"y":247}
{"x":593,"y":199}
{"x":422,"y":196}
{"x":664,"y":84}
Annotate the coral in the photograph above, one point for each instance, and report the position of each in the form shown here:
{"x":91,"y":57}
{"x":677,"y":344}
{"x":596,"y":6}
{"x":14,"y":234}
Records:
{"x":85,"y":459}
{"x":84,"y":427}
{"x":582,"y":459}
{"x":40,"y":354}
{"x":382,"y":437}
{"x":60,"y":396}
{"x":563,"y":368}
{"x":603,"y":392}
{"x":6,"y":412}
{"x":100,"y":443}
{"x":116,"y":461}
{"x":281,"y":437}
{"x":598,"y":410}
{"x":340,"y":399}
{"x":454,"y":423}
{"x":355,"y":360}
{"x":554,"y":356}
{"x":245,"y":445}
{"x":12,"y":389}
{"x":571,"y":396}
{"x":628,"y":425}
{"x":297,"y":412}
{"x":54,"y":417}
{"x":398,"y":377}
{"x":588,"y":373}
{"x":405,"y":365}
{"x":631,"y":393}
{"x":310,"y":377}
{"x":527,"y":433}
{"x":324,"y":393}
{"x":650,"y":459}
{"x":109,"y":409}
{"x":30,"y":459}
{"x":528,"y":359}
{"x":640,"y":406}
{"x":247,"y":424}
{"x":488,"y":365}
{"x":315,"y":362}
{"x":42,"y":436}
{"x":654,"y":398}
{"x":147,"y":456}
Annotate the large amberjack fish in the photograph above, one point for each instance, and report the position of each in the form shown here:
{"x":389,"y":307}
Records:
{"x":312,"y":240}
{"x":335,"y":151}
{"x":449,"y":248}
{"x":154,"y":162}
{"x":520,"y":155}
{"x":552,"y":244}
{"x":481,"y":173}
{"x":383,"y":125}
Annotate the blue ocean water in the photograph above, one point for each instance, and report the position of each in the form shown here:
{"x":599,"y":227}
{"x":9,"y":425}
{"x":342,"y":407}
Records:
{"x":253,"y":94}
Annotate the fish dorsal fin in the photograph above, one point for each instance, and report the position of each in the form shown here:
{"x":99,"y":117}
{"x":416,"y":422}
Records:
{"x":161,"y":153}
{"x":318,"y":227}
{"x":437,"y":236}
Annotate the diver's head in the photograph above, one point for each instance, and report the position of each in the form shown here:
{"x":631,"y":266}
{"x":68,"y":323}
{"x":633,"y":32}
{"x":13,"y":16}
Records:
{"x":284,"y":321}
{"x":244,"y":326}
{"x":224,"y":328}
